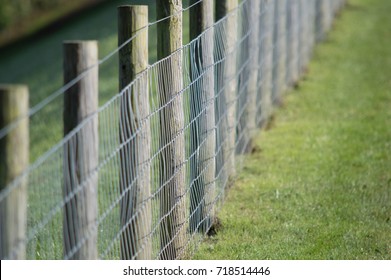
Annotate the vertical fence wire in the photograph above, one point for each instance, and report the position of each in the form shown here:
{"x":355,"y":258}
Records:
{"x":270,"y":50}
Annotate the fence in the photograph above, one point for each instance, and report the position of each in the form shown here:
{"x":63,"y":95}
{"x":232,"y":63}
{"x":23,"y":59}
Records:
{"x":142,"y":176}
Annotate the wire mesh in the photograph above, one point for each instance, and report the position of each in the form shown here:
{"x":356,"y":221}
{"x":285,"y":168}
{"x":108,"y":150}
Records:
{"x":180,"y":155}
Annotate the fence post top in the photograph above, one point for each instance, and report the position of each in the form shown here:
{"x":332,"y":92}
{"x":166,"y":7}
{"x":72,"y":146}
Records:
{"x":9,"y":87}
{"x":132,"y":6}
{"x":135,"y":9}
{"x":80,"y":42}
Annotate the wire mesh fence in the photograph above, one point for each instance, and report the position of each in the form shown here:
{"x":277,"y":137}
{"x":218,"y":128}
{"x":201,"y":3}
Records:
{"x":142,"y":176}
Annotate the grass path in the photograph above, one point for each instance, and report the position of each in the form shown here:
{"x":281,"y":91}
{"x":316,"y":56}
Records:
{"x":318,"y":185}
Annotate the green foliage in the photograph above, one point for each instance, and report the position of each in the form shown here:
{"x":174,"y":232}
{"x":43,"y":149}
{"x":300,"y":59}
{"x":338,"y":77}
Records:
{"x":5,"y":13}
{"x":44,"y":4}
{"x":12,"y":11}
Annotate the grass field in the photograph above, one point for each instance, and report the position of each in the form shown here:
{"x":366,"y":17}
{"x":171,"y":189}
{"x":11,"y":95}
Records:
{"x":318,"y":185}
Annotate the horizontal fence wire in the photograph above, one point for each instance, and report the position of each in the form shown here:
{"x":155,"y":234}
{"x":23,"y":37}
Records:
{"x":181,"y":154}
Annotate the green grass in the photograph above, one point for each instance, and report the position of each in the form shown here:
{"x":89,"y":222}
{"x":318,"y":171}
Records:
{"x":318,"y":185}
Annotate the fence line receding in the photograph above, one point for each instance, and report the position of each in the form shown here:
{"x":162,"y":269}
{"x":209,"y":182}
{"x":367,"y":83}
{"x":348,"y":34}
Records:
{"x":142,"y":175}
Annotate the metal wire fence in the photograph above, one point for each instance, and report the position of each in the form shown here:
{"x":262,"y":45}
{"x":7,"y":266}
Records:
{"x":167,"y":145}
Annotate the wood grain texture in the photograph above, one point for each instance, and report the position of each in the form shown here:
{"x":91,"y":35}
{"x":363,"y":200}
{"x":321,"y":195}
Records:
{"x":227,"y":8}
{"x":173,"y":223}
{"x":202,"y":114}
{"x":14,"y":160}
{"x":81,"y":151}
{"x":135,"y":185}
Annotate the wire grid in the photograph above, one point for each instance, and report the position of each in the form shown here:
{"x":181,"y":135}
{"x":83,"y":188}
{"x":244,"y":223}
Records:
{"x":180,"y":154}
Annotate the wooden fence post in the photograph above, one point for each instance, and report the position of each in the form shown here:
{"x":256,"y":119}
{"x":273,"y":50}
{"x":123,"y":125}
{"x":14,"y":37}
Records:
{"x":227,"y":8}
{"x":279,"y":54}
{"x":320,"y":19}
{"x":302,"y":35}
{"x":329,"y":14}
{"x":202,"y":108}
{"x":81,"y":151}
{"x":135,"y":185}
{"x":254,"y":9}
{"x":173,"y":193}
{"x":307,"y":32}
{"x":266,"y":32}
{"x":282,"y":67}
{"x":14,"y":160}
{"x":293,"y":43}
{"x":312,"y":27}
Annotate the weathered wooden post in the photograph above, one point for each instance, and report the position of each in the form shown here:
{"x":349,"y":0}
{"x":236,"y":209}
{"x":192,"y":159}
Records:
{"x":135,"y":134}
{"x":14,"y":160}
{"x":337,"y":5}
{"x":254,"y":10}
{"x":172,"y":139}
{"x":329,"y":15}
{"x":282,"y":67}
{"x":81,"y":150}
{"x":227,"y":8}
{"x":307,"y":32}
{"x":279,"y":53}
{"x":266,"y":32}
{"x":301,"y":36}
{"x":276,"y":51}
{"x":320,"y":19}
{"x":202,"y":111}
{"x":293,"y":42}
{"x":288,"y":40}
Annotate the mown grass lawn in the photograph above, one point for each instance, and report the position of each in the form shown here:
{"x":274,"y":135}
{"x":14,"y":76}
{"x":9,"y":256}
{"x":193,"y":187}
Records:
{"x":318,"y":185}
